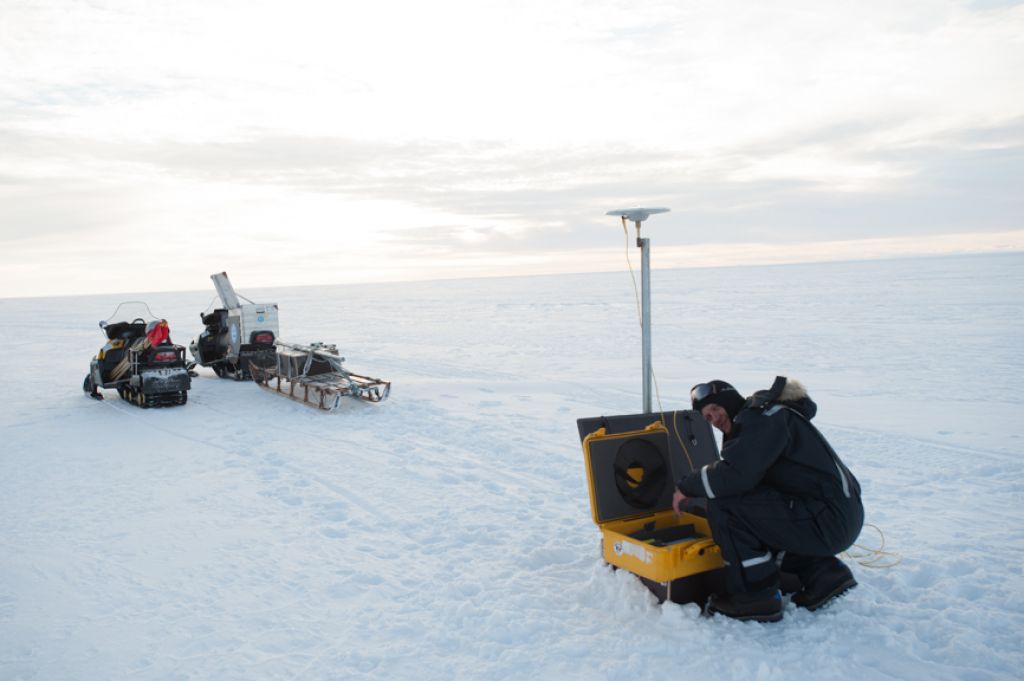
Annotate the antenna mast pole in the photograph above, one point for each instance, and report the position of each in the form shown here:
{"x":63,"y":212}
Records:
{"x":638,"y":215}
{"x":645,"y":315}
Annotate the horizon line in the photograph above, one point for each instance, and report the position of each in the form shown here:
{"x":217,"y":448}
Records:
{"x":739,"y":263}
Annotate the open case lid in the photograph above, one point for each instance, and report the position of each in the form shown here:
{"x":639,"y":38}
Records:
{"x":633,"y":461}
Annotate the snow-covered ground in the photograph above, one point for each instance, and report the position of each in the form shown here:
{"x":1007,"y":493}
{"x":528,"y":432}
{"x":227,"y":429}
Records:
{"x":446,"y":533}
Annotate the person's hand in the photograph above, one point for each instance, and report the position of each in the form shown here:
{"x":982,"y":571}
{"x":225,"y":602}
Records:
{"x":678,"y":499}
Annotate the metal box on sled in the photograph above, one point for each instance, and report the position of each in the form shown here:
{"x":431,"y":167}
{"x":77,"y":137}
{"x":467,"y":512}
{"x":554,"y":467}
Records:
{"x":632,"y":463}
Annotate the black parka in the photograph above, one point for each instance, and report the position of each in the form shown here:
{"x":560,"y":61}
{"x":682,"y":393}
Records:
{"x":773,"y":444}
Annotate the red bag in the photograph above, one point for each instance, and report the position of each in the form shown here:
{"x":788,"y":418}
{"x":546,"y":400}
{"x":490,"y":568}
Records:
{"x":159,"y":333}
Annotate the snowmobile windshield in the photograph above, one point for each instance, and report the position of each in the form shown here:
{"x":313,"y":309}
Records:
{"x":130,"y":311}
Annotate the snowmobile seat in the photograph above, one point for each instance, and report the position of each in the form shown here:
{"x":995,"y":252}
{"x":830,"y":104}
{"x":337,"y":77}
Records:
{"x":125,"y":331}
{"x":115,"y":330}
{"x":216,"y":320}
{"x":136,"y":330}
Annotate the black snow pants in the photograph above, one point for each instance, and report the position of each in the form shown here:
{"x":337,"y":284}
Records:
{"x":756,"y":529}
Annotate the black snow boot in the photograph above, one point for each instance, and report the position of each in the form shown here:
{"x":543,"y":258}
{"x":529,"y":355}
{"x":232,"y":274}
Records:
{"x":789,"y":583}
{"x":759,"y":606}
{"x":829,"y":580}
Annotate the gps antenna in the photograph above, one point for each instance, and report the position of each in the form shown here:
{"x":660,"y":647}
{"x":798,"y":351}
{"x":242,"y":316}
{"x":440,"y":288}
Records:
{"x":638,"y":215}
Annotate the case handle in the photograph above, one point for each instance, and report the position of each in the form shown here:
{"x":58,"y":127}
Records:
{"x":699,"y":548}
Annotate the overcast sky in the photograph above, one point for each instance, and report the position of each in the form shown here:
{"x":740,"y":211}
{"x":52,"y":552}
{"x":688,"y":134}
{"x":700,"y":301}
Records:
{"x":144,"y":145}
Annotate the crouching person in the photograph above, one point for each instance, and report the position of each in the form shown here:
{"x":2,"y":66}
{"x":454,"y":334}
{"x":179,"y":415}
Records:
{"x":779,"y":499}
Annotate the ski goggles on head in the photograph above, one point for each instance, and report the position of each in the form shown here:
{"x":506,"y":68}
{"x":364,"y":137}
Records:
{"x":702,"y":391}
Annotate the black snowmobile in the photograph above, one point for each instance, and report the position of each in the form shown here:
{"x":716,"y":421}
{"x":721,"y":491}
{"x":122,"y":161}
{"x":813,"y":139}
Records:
{"x":139,"y":360}
{"x":237,"y":336}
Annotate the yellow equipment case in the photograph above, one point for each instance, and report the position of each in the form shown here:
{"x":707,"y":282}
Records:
{"x":632,"y":464}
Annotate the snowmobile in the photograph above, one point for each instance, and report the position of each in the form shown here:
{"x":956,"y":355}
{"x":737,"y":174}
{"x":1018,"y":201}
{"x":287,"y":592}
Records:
{"x":236,"y":336}
{"x":139,"y":360}
{"x":240,"y":341}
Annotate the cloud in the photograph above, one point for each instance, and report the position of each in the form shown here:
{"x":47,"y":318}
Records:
{"x":518,"y":198}
{"x":462,"y":133}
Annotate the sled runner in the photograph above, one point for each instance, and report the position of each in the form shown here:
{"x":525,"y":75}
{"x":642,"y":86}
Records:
{"x":632,"y":463}
{"x":314,"y":375}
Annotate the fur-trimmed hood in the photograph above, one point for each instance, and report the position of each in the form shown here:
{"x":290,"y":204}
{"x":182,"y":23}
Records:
{"x":793,"y":391}
{"x":788,"y":392}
